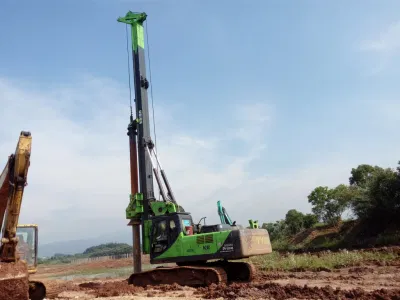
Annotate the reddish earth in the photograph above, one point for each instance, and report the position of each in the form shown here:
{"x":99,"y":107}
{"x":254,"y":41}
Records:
{"x":370,"y":281}
{"x":13,"y":281}
{"x":45,"y":271}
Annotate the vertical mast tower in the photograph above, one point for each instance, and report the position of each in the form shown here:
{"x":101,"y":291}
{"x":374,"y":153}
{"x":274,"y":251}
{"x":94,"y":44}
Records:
{"x":142,"y":190}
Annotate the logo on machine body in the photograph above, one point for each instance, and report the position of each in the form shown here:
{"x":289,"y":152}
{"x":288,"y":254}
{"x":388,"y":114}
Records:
{"x":227,"y":248}
{"x":260,"y":240}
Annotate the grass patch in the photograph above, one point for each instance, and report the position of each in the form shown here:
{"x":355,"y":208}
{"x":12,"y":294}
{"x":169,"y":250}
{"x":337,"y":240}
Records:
{"x":282,"y":245}
{"x":388,"y":239}
{"x":324,"y":261}
{"x":330,"y":241}
{"x":319,"y":225}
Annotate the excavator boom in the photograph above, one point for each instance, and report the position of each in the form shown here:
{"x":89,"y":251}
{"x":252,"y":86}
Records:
{"x":18,"y":165}
{"x":14,"y":271}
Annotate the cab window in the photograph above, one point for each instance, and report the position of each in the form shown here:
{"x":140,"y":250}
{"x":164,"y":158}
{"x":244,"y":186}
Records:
{"x":185,"y":222}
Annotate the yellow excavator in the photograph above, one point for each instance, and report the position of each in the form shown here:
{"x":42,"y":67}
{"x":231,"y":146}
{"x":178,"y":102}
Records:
{"x":19,"y":243}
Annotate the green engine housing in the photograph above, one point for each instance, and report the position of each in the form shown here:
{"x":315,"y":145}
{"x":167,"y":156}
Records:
{"x":175,"y":238}
{"x":170,"y":235}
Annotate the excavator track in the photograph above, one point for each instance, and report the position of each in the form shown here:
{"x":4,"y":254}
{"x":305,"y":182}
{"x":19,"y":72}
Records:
{"x":236,"y":271}
{"x":185,"y":275}
{"x":196,"y":275}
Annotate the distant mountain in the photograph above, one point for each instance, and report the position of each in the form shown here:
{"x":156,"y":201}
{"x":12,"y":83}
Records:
{"x":78,"y":246}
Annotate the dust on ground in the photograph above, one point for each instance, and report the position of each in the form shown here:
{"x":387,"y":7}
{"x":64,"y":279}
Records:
{"x":368,"y":281}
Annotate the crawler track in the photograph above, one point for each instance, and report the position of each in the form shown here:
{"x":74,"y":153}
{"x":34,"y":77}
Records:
{"x":185,"y":275}
{"x":195,"y":275}
{"x":237,"y":271}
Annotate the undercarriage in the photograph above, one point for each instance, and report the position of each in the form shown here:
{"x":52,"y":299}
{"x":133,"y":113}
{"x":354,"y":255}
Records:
{"x":195,"y":275}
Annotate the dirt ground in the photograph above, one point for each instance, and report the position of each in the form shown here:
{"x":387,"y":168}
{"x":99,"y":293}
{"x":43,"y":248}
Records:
{"x":371,"y":281}
{"x":46,"y":271}
{"x":13,"y":280}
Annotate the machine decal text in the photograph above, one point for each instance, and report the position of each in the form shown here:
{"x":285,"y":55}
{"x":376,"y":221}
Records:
{"x":227,"y":248}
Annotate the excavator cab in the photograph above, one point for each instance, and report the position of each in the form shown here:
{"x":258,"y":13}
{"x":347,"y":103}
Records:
{"x":166,"y":230}
{"x":28,"y":245}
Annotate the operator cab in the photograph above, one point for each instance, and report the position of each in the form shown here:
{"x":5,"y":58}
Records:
{"x":27,"y":245}
{"x":166,"y":229}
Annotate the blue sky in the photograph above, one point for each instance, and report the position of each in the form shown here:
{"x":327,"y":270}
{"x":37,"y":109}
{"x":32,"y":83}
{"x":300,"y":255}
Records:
{"x":257,"y":102}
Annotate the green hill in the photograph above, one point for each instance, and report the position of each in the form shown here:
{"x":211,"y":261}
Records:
{"x":108,"y":249}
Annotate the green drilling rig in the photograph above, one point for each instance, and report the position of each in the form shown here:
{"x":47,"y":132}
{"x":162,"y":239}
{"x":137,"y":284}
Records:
{"x":203,"y":254}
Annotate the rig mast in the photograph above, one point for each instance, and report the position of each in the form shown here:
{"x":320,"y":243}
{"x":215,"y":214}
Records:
{"x":142,"y":190}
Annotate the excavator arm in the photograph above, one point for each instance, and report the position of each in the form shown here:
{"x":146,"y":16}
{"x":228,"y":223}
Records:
{"x":13,"y":181}
{"x":17,"y":240}
{"x":223,"y":215}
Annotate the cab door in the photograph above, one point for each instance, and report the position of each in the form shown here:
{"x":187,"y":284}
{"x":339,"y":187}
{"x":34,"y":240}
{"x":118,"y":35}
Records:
{"x":28,"y":245}
{"x":164,"y":235}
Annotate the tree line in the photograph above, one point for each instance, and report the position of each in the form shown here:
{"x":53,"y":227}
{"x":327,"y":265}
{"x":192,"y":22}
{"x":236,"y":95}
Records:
{"x":108,"y":249}
{"x":372,"y":194}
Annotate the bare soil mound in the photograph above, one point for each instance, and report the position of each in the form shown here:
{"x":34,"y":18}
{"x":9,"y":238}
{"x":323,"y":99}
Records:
{"x":14,"y":281}
{"x":278,"y":292}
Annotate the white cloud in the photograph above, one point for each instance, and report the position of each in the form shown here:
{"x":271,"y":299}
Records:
{"x":258,"y":112}
{"x":190,"y":141}
{"x":386,"y":44}
{"x":390,"y":112}
{"x":254,"y":119}
{"x":388,"y":40}
{"x":79,"y":174}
